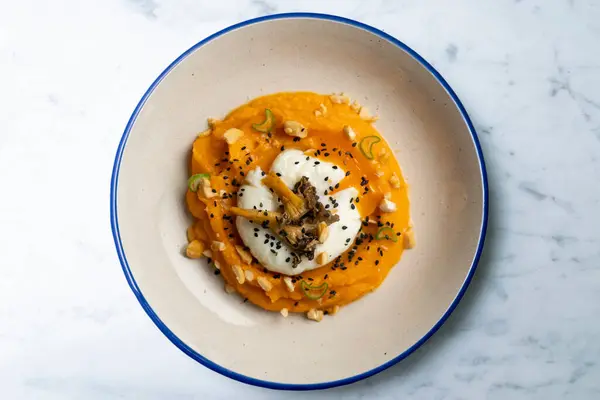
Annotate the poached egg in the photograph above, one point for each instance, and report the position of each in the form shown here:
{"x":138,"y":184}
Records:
{"x":291,"y":165}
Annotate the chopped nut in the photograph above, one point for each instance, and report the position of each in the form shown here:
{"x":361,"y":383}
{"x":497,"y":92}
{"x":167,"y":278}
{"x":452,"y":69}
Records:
{"x":229,"y":289}
{"x":350,"y":134}
{"x":323,"y":108}
{"x":216,"y":264}
{"x":284,"y":312}
{"x":217,"y":246}
{"x":239,"y":274}
{"x":383,"y":155}
{"x":205,"y":133}
{"x":212,"y":122}
{"x":232,"y":135}
{"x":207,"y":253}
{"x":318,"y":113}
{"x":244,"y":254}
{"x":323,"y":231}
{"x":264,"y":283}
{"x":387,"y":195}
{"x":355,"y":106}
{"x":339,"y":98}
{"x":379,"y":173}
{"x":387,"y":206}
{"x":249,"y":275}
{"x":288,"y":283}
{"x":294,"y":128}
{"x":315,"y":315}
{"x":206,"y":189}
{"x":395,"y":181}
{"x":409,"y":239}
{"x":322,"y":258}
{"x":194,"y":249}
{"x":222,"y":192}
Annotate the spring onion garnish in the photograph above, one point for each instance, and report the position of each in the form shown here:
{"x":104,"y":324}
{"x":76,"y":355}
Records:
{"x":195,"y":180}
{"x":314,"y":292}
{"x":268,"y":124}
{"x":386,"y":233}
{"x":366,"y":145}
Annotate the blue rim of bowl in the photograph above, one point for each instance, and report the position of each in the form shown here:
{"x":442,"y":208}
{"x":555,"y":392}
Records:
{"x":214,"y":366}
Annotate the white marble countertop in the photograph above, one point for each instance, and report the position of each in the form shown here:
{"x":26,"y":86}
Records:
{"x":529,"y":74}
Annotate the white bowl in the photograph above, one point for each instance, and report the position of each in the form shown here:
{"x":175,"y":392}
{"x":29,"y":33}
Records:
{"x":440,"y":157}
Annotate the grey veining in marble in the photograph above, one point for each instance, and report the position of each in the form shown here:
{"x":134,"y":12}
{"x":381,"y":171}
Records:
{"x":528,"y":72}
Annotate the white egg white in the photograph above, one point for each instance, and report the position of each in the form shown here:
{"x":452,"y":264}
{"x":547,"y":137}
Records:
{"x":271,"y":252}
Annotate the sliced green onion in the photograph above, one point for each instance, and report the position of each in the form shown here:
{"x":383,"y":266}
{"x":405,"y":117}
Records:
{"x":366,"y":145}
{"x":195,"y":180}
{"x":314,"y":292}
{"x":268,"y":124}
{"x":386,"y":233}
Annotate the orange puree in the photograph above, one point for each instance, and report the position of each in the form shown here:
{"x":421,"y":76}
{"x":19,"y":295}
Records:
{"x":227,"y":165}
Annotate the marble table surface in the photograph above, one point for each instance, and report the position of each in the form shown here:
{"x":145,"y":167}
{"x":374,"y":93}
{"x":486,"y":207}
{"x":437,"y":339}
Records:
{"x":528,"y":72}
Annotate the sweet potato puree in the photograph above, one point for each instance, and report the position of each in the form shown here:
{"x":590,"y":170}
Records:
{"x":335,"y":130}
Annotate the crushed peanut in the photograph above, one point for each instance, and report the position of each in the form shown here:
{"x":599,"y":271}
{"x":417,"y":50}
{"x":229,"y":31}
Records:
{"x":383,"y":155}
{"x":355,"y":106}
{"x":288,"y":283}
{"x":239,"y":274}
{"x":207,"y":253}
{"x":229,"y":289}
{"x":315,"y":315}
{"x":205,"y":133}
{"x":409,"y":239}
{"x":323,"y":231}
{"x":395,"y":181}
{"x":379,"y":173}
{"x":264,"y":283}
{"x":206,"y":189}
{"x":194,"y":249}
{"x":249,"y":275}
{"x":322,"y":258}
{"x":323,"y":108}
{"x":349,"y":132}
{"x":217,"y":246}
{"x":294,"y":128}
{"x":217,"y":265}
{"x":284,"y":312}
{"x":232,"y":135}
{"x":244,"y":254}
{"x":212,"y":122}
{"x":318,"y":113}
{"x":387,"y":206}
{"x":339,"y":98}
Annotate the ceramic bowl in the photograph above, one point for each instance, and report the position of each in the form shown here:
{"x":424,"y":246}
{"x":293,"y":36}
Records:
{"x":438,"y":152}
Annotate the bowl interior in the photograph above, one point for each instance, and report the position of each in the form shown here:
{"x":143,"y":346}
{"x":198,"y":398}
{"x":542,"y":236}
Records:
{"x":418,"y":118}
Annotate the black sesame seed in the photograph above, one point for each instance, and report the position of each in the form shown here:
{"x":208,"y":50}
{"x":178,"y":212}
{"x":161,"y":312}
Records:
{"x":352,"y":206}
{"x":212,"y":215}
{"x":317,"y":162}
{"x":354,"y":144}
{"x":376,"y":262}
{"x":297,"y":162}
{"x":255,"y":234}
{"x":282,"y":148}
{"x":344,"y":227}
{"x":278,"y":174}
{"x":326,"y":179}
{"x":296,"y":139}
{"x":335,"y":167}
{"x":348,"y":173}
{"x":287,"y":259}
